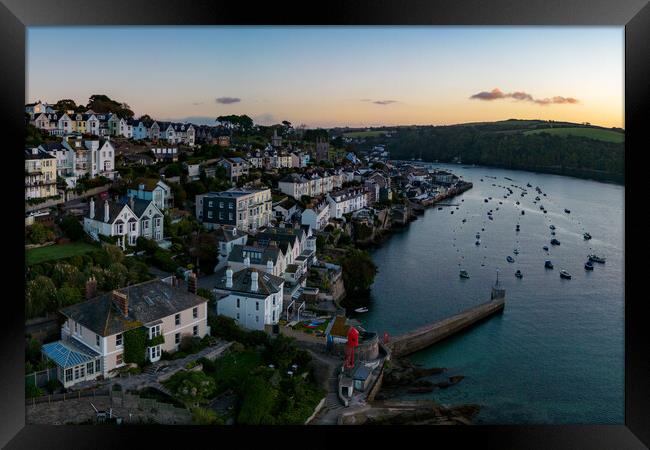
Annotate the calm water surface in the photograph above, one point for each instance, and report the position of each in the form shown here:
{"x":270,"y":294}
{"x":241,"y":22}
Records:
{"x":555,"y":355}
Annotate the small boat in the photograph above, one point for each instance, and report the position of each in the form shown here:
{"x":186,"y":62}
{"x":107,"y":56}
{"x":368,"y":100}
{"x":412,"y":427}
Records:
{"x":490,"y":198}
{"x":541,"y":207}
{"x":545,"y":247}
{"x":589,"y":265}
{"x":477,"y":242}
{"x":478,"y":235}
{"x":596,"y":258}
{"x":545,"y":212}
{"x":517,"y":203}
{"x":481,"y":179}
{"x":523,"y":213}
{"x":567,"y":211}
{"x":490,"y":217}
{"x":452,"y":212}
{"x":555,"y":242}
{"x":515,"y":251}
{"x":529,"y":185}
{"x":537,"y":198}
{"x":486,"y":200}
{"x":361,"y":310}
{"x":439,"y":208}
{"x":565,"y":274}
{"x":464,"y":220}
{"x":518,"y":274}
{"x":500,"y":203}
{"x":464,"y":274}
{"x":548,"y":264}
{"x":544,"y":194}
{"x":510,"y":259}
{"x":587,"y":236}
{"x":482,"y":229}
{"x":552,"y":227}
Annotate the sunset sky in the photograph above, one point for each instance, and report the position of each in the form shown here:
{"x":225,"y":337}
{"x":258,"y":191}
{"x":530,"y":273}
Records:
{"x":337,"y":76}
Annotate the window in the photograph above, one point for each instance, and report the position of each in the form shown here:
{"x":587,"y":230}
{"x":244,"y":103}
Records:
{"x":195,"y":312}
{"x":257,"y":306}
{"x":257,"y":318}
{"x":119,"y":359}
{"x":220,"y":204}
{"x":210,"y":203}
{"x":76,"y":373}
{"x":273,"y":316}
{"x":97,"y":340}
{"x":90,"y":368}
{"x":120,"y":229}
{"x":154,"y":331}
{"x":274,"y":301}
{"x":237,"y":303}
{"x":230,"y":205}
{"x":177,"y":338}
{"x":68,"y":375}
{"x":195,"y":330}
{"x":229,"y":216}
{"x":133,"y":226}
{"x":76,"y":327}
{"x":237,"y":316}
{"x":157,"y":221}
{"x":177,"y":319}
{"x":97,"y":365}
{"x":118,"y":339}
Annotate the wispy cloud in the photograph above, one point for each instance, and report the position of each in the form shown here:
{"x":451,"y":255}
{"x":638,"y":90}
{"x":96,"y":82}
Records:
{"x":496,"y":94}
{"x":228,"y":100}
{"x":379,"y":102}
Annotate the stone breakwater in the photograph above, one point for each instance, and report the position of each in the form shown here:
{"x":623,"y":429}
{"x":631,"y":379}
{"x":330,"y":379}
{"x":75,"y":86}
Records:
{"x":427,"y":335}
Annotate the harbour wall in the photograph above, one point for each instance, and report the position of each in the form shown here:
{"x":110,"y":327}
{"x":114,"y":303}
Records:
{"x":427,"y":335}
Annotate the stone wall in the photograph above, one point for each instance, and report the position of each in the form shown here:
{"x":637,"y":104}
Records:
{"x":425,"y":336}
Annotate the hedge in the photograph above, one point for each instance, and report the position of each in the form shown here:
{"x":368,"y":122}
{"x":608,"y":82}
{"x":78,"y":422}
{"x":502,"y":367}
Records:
{"x":135,"y":343}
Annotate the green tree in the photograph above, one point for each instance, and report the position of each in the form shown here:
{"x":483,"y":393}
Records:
{"x":68,"y":295}
{"x":192,"y":388}
{"x":40,"y":296}
{"x":259,"y":402}
{"x":65,"y":105}
{"x":359,"y":272}
{"x":115,"y":277}
{"x":72,"y":228}
{"x":203,"y":416}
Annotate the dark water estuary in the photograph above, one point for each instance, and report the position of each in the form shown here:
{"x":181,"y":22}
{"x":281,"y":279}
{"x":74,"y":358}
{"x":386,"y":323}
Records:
{"x":556,"y":353}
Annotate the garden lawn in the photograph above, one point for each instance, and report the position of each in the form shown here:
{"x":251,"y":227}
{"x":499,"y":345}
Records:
{"x":233,"y":368}
{"x":57,"y":251}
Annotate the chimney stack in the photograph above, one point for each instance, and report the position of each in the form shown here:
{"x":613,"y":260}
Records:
{"x":269,"y":266}
{"x":91,"y":288}
{"x":107,"y":212}
{"x":92,"y":208}
{"x":122,"y":302}
{"x":229,"y":277}
{"x":247,"y":261}
{"x":254,"y":285}
{"x":192,"y":283}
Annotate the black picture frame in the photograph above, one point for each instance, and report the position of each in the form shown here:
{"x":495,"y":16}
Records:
{"x":16,"y":15}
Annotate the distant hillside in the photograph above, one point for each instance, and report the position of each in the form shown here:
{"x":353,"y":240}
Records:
{"x":564,"y":148}
{"x":591,"y":133}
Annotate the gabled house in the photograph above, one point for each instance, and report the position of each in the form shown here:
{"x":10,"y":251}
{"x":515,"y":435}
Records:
{"x":229,"y":236}
{"x":127,"y":221}
{"x":235,"y":167}
{"x":93,"y":334}
{"x":151,"y":189}
{"x":47,"y":121}
{"x":250,"y":296}
{"x":268,"y":258}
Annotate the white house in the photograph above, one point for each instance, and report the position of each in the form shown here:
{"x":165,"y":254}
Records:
{"x":346,"y":200}
{"x":316,"y":217}
{"x":152,"y":189}
{"x":92,"y":336}
{"x":126,"y":221}
{"x":250,"y":296}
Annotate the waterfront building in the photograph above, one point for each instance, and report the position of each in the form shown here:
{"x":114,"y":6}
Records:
{"x":346,"y":201}
{"x":316,"y":216}
{"x":250,"y":296}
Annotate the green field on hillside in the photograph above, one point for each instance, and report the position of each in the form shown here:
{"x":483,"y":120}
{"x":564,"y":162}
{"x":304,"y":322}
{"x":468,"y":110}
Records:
{"x":592,"y":133}
{"x":363,"y":134}
{"x":57,"y":251}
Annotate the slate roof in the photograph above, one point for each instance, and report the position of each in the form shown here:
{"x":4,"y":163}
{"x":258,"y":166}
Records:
{"x":241,"y":282}
{"x":52,"y":146}
{"x":115,"y":208}
{"x":149,"y":301}
{"x":266,"y":254}
{"x":224,"y":233}
{"x":40,"y":154}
